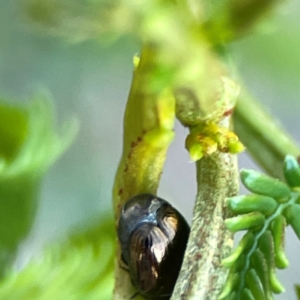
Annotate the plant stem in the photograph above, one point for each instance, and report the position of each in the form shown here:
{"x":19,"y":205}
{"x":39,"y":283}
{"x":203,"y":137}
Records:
{"x":267,"y":142}
{"x":148,"y":131}
{"x":202,"y":276}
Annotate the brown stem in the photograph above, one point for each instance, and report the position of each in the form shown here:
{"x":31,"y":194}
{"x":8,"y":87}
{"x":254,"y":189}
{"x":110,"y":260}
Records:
{"x":202,"y":275}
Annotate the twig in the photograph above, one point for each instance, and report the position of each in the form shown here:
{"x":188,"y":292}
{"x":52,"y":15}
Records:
{"x":267,"y":142}
{"x":202,"y":275}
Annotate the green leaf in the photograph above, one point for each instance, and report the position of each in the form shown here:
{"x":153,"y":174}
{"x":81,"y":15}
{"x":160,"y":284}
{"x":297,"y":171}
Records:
{"x":30,"y":153}
{"x":246,"y":241}
{"x":242,"y":222}
{"x":261,"y":249}
{"x":291,"y":171}
{"x":292,"y":214}
{"x":254,"y":284}
{"x":13,"y":130}
{"x":249,"y":203}
{"x":42,"y":146}
{"x":79,"y":268}
{"x":278,"y":231}
{"x":265,"y":185}
{"x":232,"y":296}
{"x":266,"y":245}
{"x":258,"y":262}
{"x":231,"y":283}
{"x":276,"y":286}
{"x":247,"y":295}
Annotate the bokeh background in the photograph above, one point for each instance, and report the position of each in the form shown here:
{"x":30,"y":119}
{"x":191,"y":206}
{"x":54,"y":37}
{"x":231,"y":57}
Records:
{"x":91,"y":80}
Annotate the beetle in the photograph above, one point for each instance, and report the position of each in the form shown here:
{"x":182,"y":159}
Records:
{"x":153,"y":237}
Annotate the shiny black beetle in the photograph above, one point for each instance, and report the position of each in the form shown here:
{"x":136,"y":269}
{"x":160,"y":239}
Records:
{"x":153,"y":237}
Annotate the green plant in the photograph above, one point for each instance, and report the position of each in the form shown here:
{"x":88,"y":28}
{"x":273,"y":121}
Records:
{"x":264,"y":215}
{"x":28,"y":146}
{"x":183,"y":72}
{"x":78,"y":268}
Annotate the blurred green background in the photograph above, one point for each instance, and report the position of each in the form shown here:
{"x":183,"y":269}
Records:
{"x":91,"y":80}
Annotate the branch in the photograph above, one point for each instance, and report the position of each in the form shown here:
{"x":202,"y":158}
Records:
{"x":233,"y":19}
{"x":202,"y":275}
{"x":267,"y":142}
{"x":148,"y":132}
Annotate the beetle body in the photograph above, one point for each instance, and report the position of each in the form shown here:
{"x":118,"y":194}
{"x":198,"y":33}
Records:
{"x":153,"y":237}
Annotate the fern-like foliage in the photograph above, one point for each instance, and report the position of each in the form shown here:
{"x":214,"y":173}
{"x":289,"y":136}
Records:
{"x":29,"y":145}
{"x":264,"y":214}
{"x":79,"y":268}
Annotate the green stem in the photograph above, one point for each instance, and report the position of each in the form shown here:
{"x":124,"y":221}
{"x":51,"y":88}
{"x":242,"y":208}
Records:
{"x":148,"y":131}
{"x":266,"y":141}
{"x":231,"y":19}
